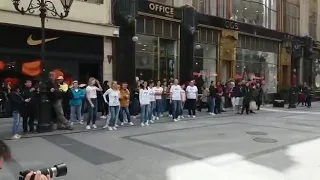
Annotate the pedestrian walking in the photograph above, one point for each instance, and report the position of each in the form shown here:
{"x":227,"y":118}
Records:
{"x":17,"y":103}
{"x":152,"y":107}
{"x":159,"y":102}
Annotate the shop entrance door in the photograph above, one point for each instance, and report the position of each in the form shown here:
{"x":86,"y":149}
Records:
{"x":167,"y":60}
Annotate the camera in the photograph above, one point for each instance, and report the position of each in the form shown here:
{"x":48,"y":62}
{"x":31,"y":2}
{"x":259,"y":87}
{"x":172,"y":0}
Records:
{"x":54,"y":171}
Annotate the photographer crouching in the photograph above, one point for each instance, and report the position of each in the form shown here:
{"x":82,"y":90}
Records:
{"x":5,"y":155}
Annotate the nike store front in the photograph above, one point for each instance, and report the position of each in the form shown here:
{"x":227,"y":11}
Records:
{"x":76,"y":56}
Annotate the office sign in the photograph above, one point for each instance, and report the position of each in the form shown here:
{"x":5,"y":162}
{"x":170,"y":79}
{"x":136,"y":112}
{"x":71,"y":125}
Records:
{"x":165,"y":10}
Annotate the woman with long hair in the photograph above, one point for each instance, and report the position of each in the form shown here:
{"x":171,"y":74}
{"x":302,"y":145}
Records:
{"x":144,"y":98}
{"x":91,"y":95}
{"x":159,"y":102}
{"x":152,"y":102}
{"x":114,"y":105}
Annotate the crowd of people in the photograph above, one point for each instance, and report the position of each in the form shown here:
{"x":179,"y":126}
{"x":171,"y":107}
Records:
{"x":151,"y":100}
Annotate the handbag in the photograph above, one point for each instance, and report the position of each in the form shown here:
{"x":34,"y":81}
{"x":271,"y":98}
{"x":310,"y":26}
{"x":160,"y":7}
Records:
{"x":253,"y":105}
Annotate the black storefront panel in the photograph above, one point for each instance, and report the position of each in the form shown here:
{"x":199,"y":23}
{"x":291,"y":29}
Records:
{"x":20,"y":49}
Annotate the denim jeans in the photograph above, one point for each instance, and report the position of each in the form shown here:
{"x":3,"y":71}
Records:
{"x":213,"y":105}
{"x":164,"y":105}
{"x":92,"y":116}
{"x":124,"y":111}
{"x":182,"y":107}
{"x":151,"y":109}
{"x":16,"y":122}
{"x":114,"y":113}
{"x":144,"y":113}
{"x":75,"y":113}
{"x":176,"y":108}
{"x":159,"y":107}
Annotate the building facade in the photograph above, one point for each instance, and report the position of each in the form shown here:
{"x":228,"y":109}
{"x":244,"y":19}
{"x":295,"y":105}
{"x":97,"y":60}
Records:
{"x":79,"y":46}
{"x":272,"y":40}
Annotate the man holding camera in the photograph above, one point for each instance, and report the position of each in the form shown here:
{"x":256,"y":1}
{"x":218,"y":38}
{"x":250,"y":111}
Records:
{"x":5,"y":155}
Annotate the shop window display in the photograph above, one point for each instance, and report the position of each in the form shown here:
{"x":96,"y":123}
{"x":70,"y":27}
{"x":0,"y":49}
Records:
{"x":258,"y":12}
{"x":257,"y":65}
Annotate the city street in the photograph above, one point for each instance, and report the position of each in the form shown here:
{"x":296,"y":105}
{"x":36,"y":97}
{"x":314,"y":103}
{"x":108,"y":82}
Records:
{"x":277,"y":144}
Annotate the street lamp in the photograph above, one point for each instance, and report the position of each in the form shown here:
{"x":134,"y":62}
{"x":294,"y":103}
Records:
{"x":44,"y":6}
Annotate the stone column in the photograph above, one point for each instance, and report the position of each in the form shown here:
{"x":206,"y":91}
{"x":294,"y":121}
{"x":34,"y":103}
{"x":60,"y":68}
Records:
{"x":107,"y":60}
{"x":304,"y":17}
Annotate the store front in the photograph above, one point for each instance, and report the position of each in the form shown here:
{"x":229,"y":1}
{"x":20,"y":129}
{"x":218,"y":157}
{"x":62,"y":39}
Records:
{"x":157,"y":48}
{"x":72,"y":55}
{"x":257,"y":59}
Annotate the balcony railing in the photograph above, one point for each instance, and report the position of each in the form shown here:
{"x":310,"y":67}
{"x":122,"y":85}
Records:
{"x":93,"y":1}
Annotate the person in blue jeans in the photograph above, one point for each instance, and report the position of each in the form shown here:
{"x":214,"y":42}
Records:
{"x":144,"y":99}
{"x":159,"y":102}
{"x":212,"y":96}
{"x":76,"y":97}
{"x":175,"y":100}
{"x":114,"y":105}
{"x":17,"y":103}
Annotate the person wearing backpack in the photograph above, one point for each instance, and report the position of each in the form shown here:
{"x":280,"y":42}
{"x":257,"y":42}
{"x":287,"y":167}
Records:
{"x":76,"y":97}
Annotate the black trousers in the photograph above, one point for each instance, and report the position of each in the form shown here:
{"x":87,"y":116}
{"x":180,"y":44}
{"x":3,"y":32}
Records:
{"x":217,"y":108}
{"x":245,"y":106}
{"x":28,"y":119}
{"x":191,"y":105}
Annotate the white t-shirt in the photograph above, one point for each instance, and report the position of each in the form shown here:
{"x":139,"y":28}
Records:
{"x":175,"y":90}
{"x":152,"y":94}
{"x":113,"y":97}
{"x":144,"y":97}
{"x":192,"y":92}
{"x":158,"y":90}
{"x":91,"y":92}
{"x":183,"y":95}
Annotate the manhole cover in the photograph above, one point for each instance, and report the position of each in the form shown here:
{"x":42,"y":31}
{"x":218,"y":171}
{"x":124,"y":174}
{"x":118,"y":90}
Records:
{"x":265,"y":140}
{"x":257,"y":133}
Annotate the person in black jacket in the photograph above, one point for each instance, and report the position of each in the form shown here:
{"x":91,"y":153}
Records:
{"x":238,"y":96}
{"x":17,"y":103}
{"x":29,"y":108}
{"x":55,"y":96}
{"x":247,"y":98}
{"x":213,"y":95}
{"x":259,"y":95}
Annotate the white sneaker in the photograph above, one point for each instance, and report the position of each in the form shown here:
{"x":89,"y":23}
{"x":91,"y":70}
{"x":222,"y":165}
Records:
{"x":153,"y":118}
{"x":134,"y":117}
{"x":151,"y":121}
{"x":178,"y":118}
{"x":147,"y":123}
{"x":110,"y":128}
{"x":116,"y":125}
{"x":182,"y":117}
{"x":81,"y":122}
{"x":161,"y":115}
{"x":122,"y":124}
{"x":103,"y":117}
{"x":16,"y":136}
{"x":114,"y":128}
{"x":170,"y":115}
{"x":193,"y":116}
{"x":213,"y":114}
{"x":143,"y":125}
{"x":157,"y":118}
{"x":175,"y":120}
{"x":94,"y":126}
{"x":106,"y":126}
{"x":131,"y":123}
{"x":88,"y":127}
{"x":71,"y":123}
{"x":189,"y":116}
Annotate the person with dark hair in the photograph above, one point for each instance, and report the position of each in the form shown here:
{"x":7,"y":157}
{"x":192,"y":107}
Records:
{"x":152,"y":107}
{"x":105,"y":110}
{"x":29,"y":108}
{"x":17,"y":103}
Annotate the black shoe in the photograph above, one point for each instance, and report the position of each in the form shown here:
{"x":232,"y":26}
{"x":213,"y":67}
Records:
{"x":65,"y":128}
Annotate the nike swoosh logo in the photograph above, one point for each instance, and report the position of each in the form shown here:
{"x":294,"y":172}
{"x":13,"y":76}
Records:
{"x":32,"y":42}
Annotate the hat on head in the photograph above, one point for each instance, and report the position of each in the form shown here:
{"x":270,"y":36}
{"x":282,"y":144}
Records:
{"x":60,"y":78}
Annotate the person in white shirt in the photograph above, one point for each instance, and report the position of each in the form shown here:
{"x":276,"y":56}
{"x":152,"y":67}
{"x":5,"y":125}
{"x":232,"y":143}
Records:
{"x":91,"y":95}
{"x":114,"y":105}
{"x":192,"y":96}
{"x":144,"y":99}
{"x":152,"y":107}
{"x":175,"y":99}
{"x":183,"y":100}
{"x":159,"y":102}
